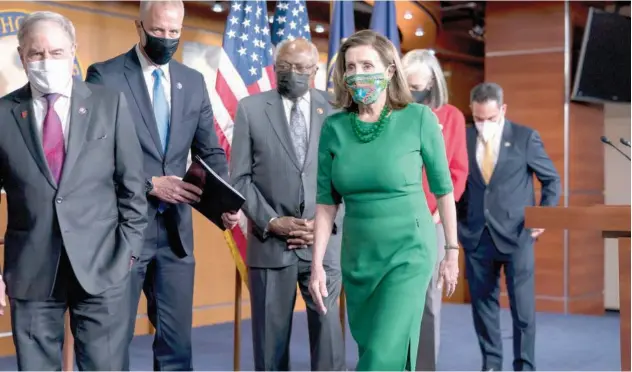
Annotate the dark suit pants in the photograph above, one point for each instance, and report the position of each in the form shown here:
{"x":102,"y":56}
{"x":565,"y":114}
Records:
{"x":38,"y":326}
{"x":483,"y":272}
{"x":272,"y":298}
{"x":165,"y":274}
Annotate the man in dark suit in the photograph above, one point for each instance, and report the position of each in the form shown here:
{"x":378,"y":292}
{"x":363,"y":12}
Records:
{"x":504,"y":157}
{"x":274,"y":165}
{"x":71,"y":168}
{"x":171,"y":108}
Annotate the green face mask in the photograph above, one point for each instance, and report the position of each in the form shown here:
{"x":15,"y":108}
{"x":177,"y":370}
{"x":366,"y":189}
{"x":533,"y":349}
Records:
{"x":366,"y":88}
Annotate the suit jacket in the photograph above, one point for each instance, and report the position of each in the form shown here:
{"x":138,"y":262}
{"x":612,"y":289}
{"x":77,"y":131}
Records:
{"x":97,"y":212}
{"x":500,"y":205}
{"x":265,"y":169}
{"x":191,"y":128}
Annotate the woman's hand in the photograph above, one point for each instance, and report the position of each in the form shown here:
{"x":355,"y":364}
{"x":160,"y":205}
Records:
{"x":449,"y":271}
{"x":318,"y":287}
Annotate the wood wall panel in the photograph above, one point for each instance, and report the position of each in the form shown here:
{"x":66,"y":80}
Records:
{"x":513,"y":26}
{"x":525,"y":54}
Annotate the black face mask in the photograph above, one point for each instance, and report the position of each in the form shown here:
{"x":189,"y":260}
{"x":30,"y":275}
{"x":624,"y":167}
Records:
{"x":292,"y":85}
{"x":160,"y":50}
{"x":421,"y":96}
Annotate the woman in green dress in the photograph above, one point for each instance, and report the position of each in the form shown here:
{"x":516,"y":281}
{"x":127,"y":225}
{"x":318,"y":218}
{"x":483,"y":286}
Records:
{"x":371,"y":156}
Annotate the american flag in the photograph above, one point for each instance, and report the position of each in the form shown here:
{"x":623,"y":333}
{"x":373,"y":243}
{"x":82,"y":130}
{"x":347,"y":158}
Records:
{"x":290,"y":21}
{"x":245,"y":68}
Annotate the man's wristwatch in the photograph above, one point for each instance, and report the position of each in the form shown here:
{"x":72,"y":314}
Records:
{"x":149,"y":186}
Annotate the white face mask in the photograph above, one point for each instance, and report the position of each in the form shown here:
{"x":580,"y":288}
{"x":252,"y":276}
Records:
{"x":50,"y":75}
{"x":487,"y":129}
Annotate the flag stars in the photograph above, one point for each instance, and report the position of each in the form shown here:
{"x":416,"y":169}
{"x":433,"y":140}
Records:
{"x":248,"y":9}
{"x":234,"y":20}
{"x":242,"y":51}
{"x":253,"y":71}
{"x":254,"y":56}
{"x":244,"y":37}
{"x":293,"y":25}
{"x":236,"y":6}
{"x":295,"y":12}
{"x":246,"y":23}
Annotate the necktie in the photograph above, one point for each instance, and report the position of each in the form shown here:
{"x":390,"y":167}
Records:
{"x":298,"y":130}
{"x":53,"y":138}
{"x":161,"y":109}
{"x":487,"y":164}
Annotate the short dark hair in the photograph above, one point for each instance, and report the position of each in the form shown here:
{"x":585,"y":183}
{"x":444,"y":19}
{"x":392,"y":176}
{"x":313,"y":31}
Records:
{"x":485,"y":92}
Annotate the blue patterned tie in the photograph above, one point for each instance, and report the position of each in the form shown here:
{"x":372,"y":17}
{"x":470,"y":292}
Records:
{"x":161,"y":113}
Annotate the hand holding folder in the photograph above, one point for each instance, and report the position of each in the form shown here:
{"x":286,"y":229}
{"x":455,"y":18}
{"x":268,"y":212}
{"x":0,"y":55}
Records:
{"x":218,"y":197}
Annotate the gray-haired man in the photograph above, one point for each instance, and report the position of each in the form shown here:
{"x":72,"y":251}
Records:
{"x":72,"y":170}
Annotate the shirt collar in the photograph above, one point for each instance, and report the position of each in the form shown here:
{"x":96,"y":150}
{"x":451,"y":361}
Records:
{"x":147,"y":66}
{"x":305,"y":97}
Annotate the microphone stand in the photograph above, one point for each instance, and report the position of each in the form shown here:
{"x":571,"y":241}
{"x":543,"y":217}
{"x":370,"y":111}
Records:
{"x":605,"y":140}
{"x":624,"y":142}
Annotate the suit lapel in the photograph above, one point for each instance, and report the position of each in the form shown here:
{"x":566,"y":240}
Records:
{"x":177,"y":103}
{"x":276,"y":115}
{"x":505,"y":144}
{"x":138,"y":86}
{"x":472,"y":139}
{"x":318,"y":108}
{"x":23,"y":114}
{"x":79,"y":120}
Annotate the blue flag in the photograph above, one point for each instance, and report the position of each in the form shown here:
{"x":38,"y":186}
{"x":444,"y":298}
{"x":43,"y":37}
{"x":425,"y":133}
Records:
{"x":342,"y":25}
{"x":384,"y":21}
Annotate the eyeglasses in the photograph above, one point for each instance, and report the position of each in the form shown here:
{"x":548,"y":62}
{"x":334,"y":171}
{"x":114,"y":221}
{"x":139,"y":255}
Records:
{"x":287,"y":67}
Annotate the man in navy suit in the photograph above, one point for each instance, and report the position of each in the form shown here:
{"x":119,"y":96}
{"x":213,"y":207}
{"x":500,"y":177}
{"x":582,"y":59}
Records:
{"x":504,"y":157}
{"x":170,"y":105}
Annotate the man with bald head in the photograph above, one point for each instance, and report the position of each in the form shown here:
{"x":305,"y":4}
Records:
{"x":72,"y":171}
{"x":172,"y":112}
{"x":274,"y":165}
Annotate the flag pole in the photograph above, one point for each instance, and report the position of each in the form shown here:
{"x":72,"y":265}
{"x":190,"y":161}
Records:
{"x":237,"y":322}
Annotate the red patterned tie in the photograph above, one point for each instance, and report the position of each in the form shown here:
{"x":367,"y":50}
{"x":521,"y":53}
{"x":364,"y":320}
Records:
{"x":53,"y":139}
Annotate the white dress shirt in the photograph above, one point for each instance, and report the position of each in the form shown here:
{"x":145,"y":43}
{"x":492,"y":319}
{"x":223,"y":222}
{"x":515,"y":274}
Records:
{"x":496,"y":142}
{"x":148,"y":68}
{"x":61,"y":107}
{"x":303,"y":106}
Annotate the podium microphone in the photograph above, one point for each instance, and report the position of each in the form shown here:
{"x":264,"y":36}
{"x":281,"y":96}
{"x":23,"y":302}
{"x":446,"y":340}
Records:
{"x":624,"y":142}
{"x":605,"y":140}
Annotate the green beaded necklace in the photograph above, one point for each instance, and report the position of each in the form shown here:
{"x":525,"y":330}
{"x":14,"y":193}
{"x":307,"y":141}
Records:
{"x":367,"y":134}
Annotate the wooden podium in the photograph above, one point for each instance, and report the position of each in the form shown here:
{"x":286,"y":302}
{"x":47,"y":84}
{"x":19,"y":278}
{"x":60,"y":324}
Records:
{"x":614,"y":222}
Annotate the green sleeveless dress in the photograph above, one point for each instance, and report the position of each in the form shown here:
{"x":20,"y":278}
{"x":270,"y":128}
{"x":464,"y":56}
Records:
{"x":388,"y":239}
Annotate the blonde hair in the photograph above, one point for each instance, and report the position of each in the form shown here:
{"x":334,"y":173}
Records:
{"x":397,"y":93}
{"x":416,"y":59}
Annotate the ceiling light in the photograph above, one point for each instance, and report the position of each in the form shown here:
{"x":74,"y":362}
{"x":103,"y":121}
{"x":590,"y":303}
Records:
{"x":218,"y":8}
{"x":319,"y":29}
{"x":419,"y":32}
{"x":408,"y":15}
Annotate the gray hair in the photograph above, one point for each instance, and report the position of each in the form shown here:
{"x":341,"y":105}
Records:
{"x":414,"y":60}
{"x":283,"y":42}
{"x":486,"y":92}
{"x":146,"y":5}
{"x":31,"y":20}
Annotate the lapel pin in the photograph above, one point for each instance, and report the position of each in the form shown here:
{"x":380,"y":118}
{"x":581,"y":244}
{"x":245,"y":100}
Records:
{"x":25,"y":114}
{"x":82,"y":110}
{"x":319,"y":111}
{"x":507,"y":144}
{"x":179,"y":85}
